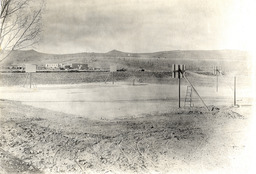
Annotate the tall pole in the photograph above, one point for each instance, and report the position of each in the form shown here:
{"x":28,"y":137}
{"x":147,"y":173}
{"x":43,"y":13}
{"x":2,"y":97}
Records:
{"x":179,"y":76}
{"x":179,"y":90}
{"x":235,"y":91}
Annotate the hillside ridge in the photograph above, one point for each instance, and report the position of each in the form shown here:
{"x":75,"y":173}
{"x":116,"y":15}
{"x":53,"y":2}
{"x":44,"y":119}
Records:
{"x":162,"y":60}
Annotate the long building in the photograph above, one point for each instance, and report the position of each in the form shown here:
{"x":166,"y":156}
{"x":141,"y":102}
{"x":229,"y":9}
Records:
{"x":79,"y":66}
{"x":52,"y":66}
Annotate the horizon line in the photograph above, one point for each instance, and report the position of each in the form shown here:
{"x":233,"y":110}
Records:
{"x":132,"y":52}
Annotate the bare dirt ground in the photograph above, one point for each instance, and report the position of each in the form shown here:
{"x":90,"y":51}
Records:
{"x":105,"y":128}
{"x":35,"y":140}
{"x":119,"y":100}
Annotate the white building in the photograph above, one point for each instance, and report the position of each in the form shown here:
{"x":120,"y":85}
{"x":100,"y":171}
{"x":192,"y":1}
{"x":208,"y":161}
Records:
{"x":52,"y":65}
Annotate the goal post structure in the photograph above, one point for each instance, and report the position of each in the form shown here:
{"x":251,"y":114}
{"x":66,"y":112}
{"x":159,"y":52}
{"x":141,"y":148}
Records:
{"x":29,"y":69}
{"x":178,"y":71}
{"x":112,"y":70}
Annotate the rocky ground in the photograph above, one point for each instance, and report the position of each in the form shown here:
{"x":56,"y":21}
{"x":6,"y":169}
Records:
{"x":191,"y":140}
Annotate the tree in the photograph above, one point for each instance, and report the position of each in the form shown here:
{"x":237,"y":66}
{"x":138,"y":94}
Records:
{"x":20,"y":25}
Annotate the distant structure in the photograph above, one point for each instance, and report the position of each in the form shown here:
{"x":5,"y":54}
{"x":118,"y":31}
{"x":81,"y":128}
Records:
{"x":76,"y":66}
{"x":17,"y":67}
{"x":79,"y":66}
{"x":52,"y":66}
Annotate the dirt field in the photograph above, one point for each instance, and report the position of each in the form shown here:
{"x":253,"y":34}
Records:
{"x":121,"y":128}
{"x":119,"y":100}
{"x":183,"y":141}
{"x":18,"y":79}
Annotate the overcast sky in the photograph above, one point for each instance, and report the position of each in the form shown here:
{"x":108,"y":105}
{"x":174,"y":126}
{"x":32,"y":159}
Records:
{"x":71,"y":26}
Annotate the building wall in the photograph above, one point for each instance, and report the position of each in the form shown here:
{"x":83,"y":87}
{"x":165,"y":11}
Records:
{"x":55,"y":65}
{"x":79,"y":66}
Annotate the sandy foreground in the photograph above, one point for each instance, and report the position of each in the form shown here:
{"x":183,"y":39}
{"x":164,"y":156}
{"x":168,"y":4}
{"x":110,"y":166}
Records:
{"x":36,"y":138}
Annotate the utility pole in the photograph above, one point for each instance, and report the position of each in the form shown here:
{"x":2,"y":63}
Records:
{"x":179,"y":89}
{"x":177,"y":72}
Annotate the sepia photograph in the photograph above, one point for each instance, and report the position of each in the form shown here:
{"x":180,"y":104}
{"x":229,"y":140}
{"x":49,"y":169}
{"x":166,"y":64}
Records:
{"x":127,"y":87}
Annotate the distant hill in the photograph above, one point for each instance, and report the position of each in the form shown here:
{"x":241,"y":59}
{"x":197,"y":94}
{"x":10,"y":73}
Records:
{"x":150,"y":61}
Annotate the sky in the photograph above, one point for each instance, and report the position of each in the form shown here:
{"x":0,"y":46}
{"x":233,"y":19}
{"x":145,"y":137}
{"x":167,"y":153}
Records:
{"x":71,"y":26}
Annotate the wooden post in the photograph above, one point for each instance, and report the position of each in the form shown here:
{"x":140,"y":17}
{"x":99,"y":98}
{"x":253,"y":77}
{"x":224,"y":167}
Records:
{"x":179,"y":91}
{"x":235,"y":91}
{"x":179,"y":76}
